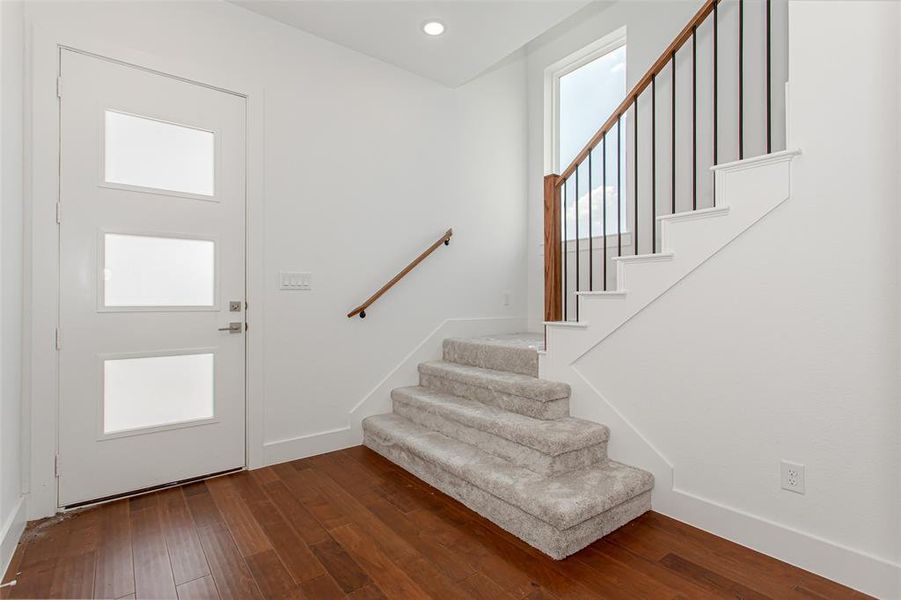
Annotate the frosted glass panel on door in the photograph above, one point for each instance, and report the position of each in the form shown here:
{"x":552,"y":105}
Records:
{"x":147,"y":153}
{"x":156,"y":390}
{"x":146,"y":271}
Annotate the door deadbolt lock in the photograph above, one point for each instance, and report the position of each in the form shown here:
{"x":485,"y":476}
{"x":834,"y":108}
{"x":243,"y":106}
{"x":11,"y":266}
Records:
{"x":233,"y":327}
{"x":234,"y":306}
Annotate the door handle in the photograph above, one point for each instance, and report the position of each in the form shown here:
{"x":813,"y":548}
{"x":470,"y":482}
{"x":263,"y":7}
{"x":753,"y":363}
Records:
{"x":233,"y":327}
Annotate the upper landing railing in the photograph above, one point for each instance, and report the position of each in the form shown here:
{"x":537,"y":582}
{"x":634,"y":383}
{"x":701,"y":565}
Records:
{"x":574,"y":194}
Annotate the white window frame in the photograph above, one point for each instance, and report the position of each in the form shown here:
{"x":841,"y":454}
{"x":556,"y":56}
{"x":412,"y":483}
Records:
{"x":552,"y":76}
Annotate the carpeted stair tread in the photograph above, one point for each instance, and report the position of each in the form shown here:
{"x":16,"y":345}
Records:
{"x":514,"y":392}
{"x":562,"y":501}
{"x":514,"y":353}
{"x":554,"y":437}
{"x":515,"y":384}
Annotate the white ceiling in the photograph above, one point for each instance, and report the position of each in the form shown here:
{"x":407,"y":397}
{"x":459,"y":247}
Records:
{"x":479,"y":33}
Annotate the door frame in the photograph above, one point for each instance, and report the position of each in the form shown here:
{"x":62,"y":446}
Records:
{"x":41,"y":253}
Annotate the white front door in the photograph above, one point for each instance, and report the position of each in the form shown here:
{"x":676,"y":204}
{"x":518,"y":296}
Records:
{"x":152,"y":201}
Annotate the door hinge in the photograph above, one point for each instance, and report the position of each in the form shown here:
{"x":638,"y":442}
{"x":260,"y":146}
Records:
{"x":58,"y":214}
{"x":59,"y":87}
{"x":56,"y":466}
{"x":59,"y":341}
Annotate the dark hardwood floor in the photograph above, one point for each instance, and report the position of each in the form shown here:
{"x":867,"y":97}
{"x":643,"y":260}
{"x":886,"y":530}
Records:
{"x":350,"y":524}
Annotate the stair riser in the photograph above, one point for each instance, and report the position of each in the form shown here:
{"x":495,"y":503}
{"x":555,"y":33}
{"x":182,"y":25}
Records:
{"x":556,"y":543}
{"x":553,"y":409}
{"x":524,"y":456}
{"x":523,"y":361}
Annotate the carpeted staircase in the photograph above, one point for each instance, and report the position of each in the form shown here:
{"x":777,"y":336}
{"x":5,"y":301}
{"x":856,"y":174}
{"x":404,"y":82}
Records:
{"x":484,"y":429}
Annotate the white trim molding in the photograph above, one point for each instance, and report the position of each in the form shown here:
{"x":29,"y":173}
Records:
{"x":12,"y":531}
{"x":378,"y":399}
{"x":859,"y":570}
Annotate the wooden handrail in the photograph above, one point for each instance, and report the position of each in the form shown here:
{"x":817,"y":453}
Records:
{"x":639,"y":87}
{"x":555,"y":266}
{"x":361,"y":310}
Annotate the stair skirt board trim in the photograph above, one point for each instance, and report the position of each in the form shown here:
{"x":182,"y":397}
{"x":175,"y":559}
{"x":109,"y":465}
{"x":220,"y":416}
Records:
{"x":429,"y":348}
{"x":556,"y":543}
{"x":403,"y":373}
{"x":578,"y":349}
{"x":658,"y":295}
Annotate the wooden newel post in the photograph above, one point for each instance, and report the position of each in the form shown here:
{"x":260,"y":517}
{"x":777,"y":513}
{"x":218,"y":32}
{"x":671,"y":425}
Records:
{"x":553,"y":286}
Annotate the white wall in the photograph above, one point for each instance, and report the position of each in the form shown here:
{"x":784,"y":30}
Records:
{"x":11,"y":205}
{"x":364,"y":166}
{"x":650,"y":27}
{"x":784,"y":345}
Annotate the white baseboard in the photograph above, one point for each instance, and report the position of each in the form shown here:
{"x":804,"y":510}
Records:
{"x":856,"y":569}
{"x":279,"y":451}
{"x":378,"y":399}
{"x":11,"y":532}
{"x":853,"y":568}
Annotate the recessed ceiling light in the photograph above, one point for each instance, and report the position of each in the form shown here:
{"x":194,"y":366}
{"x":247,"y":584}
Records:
{"x":433,"y":28}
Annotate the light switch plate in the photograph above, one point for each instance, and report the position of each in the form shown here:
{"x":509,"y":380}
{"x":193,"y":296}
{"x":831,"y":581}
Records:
{"x":293,"y":280}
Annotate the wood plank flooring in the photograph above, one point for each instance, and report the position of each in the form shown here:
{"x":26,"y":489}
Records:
{"x":350,"y":524}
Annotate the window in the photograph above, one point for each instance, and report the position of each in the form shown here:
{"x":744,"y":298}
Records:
{"x":587,"y":87}
{"x":587,"y":97}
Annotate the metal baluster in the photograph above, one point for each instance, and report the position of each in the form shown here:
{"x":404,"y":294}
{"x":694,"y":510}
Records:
{"x":715,"y":99}
{"x":653,"y":164}
{"x":619,"y":195}
{"x":604,"y":200}
{"x":635,"y":171}
{"x":741,"y":79}
{"x":769,"y":116}
{"x":694,"y":118}
{"x":578,"y":272}
{"x":673,"y":56}
{"x":590,"y":223}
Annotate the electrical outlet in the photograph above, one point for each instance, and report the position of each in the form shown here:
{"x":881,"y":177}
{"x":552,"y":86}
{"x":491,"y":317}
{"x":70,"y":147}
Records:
{"x":793,"y":477}
{"x":507,"y":298}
